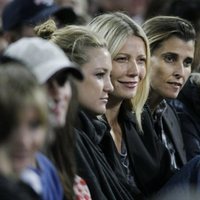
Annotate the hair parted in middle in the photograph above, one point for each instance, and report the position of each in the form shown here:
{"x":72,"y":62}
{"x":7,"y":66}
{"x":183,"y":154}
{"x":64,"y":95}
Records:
{"x":160,"y":28}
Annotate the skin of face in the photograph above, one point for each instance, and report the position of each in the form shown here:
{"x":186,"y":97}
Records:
{"x":129,"y":68}
{"x":93,"y":90}
{"x":59,"y":97}
{"x":171,"y":67}
{"x":26,"y":139}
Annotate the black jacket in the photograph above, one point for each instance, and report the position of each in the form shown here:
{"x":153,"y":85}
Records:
{"x":99,"y":164}
{"x":12,"y":190}
{"x":173,"y":129}
{"x":92,"y":164}
{"x":187,"y":106}
{"x":149,"y":159}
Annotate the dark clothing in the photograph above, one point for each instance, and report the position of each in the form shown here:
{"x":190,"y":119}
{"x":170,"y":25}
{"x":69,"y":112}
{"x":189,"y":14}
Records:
{"x":184,"y":184}
{"x":162,"y":132}
{"x":187,"y":106}
{"x":10,"y":190}
{"x":148,"y":158}
{"x":92,"y":164}
{"x":150,"y":161}
{"x":99,"y":162}
{"x":172,"y":131}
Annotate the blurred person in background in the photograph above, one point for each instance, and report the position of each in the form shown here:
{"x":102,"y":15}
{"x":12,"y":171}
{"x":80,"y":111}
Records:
{"x":51,"y":67}
{"x":136,"y":9}
{"x":53,"y":70}
{"x":82,"y":8}
{"x":24,"y":124}
{"x":3,"y":42}
{"x":20,"y":16}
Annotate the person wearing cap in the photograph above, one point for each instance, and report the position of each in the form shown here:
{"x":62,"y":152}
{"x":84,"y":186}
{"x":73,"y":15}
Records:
{"x":51,"y":67}
{"x":20,"y":16}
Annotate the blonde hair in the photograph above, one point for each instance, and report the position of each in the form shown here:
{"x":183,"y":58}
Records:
{"x":116,"y":28}
{"x":73,"y":40}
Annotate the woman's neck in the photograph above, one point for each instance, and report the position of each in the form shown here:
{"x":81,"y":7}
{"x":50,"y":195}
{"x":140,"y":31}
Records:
{"x":112,"y":114}
{"x":154,"y":100}
{"x":112,"y":110}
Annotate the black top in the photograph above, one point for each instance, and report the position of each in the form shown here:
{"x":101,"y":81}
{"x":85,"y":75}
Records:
{"x":100,"y":165}
{"x":11,"y":190}
{"x":92,"y":164}
{"x":148,"y":157}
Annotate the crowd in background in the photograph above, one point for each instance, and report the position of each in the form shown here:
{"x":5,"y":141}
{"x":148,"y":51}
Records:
{"x":99,"y":99}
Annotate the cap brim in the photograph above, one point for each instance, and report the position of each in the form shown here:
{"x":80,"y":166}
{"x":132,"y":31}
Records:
{"x":75,"y":72}
{"x":47,"y":70}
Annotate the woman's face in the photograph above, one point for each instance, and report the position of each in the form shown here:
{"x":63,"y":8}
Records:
{"x":93,"y":90}
{"x":26,"y":139}
{"x":171,"y":66}
{"x":129,"y":68}
{"x":59,"y":96}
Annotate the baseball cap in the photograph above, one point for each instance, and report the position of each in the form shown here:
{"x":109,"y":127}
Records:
{"x":44,"y":58}
{"x":33,"y":12}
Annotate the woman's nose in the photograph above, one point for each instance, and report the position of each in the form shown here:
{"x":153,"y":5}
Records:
{"x":133,"y":69}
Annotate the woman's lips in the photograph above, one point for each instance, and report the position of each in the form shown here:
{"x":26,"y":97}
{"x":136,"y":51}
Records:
{"x":129,"y":84}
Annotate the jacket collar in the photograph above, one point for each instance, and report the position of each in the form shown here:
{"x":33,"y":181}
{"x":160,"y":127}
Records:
{"x":92,"y":126}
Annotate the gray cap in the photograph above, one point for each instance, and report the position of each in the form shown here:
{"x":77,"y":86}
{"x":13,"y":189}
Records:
{"x":44,"y":58}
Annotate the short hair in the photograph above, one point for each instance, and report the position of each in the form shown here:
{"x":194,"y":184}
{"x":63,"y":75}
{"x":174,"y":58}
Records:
{"x":19,"y":89}
{"x":160,"y":28}
{"x":116,"y":28}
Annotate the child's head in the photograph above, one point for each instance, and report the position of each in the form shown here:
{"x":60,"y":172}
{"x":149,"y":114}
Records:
{"x":23,"y":116}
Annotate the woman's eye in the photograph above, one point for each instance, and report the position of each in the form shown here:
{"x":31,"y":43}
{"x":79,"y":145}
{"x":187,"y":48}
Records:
{"x":141,"y":61}
{"x":100,"y":75}
{"x":169,"y":58}
{"x":121,"y":59}
{"x":187,"y":63}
